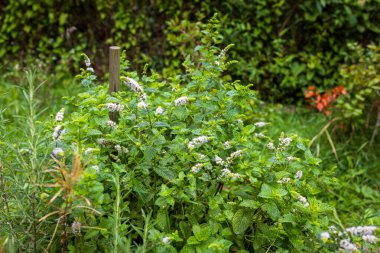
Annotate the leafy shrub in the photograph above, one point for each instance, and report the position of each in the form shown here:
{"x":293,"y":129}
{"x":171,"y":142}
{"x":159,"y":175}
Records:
{"x":186,"y":166}
{"x":324,"y":101}
{"x":281,"y":46}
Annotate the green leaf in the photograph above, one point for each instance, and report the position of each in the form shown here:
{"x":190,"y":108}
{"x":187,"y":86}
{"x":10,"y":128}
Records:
{"x":241,"y":221}
{"x":166,"y":173}
{"x":272,"y":210}
{"x":161,"y":124}
{"x":250,"y":204}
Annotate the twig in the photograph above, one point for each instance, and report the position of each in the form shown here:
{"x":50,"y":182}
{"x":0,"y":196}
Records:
{"x":377,"y":125}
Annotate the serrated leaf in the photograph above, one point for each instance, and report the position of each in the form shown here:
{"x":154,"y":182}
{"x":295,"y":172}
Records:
{"x":241,"y":221}
{"x":161,"y":124}
{"x":250,"y":204}
{"x":166,"y":173}
{"x":272,"y":210}
{"x":94,"y":132}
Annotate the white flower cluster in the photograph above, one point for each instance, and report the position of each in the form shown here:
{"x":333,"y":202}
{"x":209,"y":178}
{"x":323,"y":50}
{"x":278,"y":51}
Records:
{"x":290,"y":158}
{"x":227,"y":145}
{"x":134,"y":85}
{"x":219,"y":161}
{"x":196,"y":142}
{"x":284,"y":180}
{"x":181,"y":101}
{"x":325,"y":236}
{"x":142,"y":105}
{"x":260,"y":124}
{"x":303,"y":200}
{"x":365,"y":232}
{"x":88,"y":151}
{"x":96,"y":168}
{"x":159,"y":111}
{"x":166,"y":240}
{"x":227,"y":173}
{"x":60,"y":115}
{"x":347,"y":245}
{"x":299,"y":174}
{"x":58,"y":153}
{"x":369,"y":238}
{"x":196,"y":168}
{"x":284,"y":142}
{"x":58,"y":133}
{"x":101,"y":141}
{"x":87,"y":61}
{"x":112,"y":107}
{"x":260,"y":135}
{"x":271,"y":146}
{"x":233,"y":156}
{"x":121,"y":149}
{"x":361,"y":230}
{"x":111,"y":124}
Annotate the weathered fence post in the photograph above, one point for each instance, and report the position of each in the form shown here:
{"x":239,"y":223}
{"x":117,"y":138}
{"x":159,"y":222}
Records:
{"x":114,"y":68}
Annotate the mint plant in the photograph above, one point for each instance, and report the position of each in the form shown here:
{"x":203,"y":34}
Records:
{"x":187,"y":167}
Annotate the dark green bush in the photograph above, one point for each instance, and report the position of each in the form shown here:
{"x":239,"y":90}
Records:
{"x":282,"y":46}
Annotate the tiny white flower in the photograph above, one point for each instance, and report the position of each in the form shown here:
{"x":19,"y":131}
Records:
{"x":60,"y":115}
{"x":58,"y":152}
{"x":89,"y":69}
{"x":181,"y":101}
{"x":227,"y":145}
{"x":259,"y":135}
{"x":196,"y":168}
{"x":101,"y":141}
{"x":285,"y":141}
{"x":166,"y":240}
{"x":369,"y":238}
{"x":96,"y":168}
{"x":159,"y":111}
{"x":240,"y":122}
{"x":197,"y":142}
{"x":87,"y":61}
{"x":270,"y":145}
{"x":347,"y":245}
{"x":217,"y":63}
{"x":118,"y":148}
{"x":142,"y":105}
{"x":234,"y":155}
{"x":58,"y":132}
{"x":112,"y":107}
{"x":88,"y":151}
{"x":299,"y":174}
{"x":304,"y":201}
{"x":219,"y":160}
{"x":260,"y":124}
{"x":284,"y":180}
{"x":111,"y":124}
{"x":325,"y":236}
{"x":135,"y":86}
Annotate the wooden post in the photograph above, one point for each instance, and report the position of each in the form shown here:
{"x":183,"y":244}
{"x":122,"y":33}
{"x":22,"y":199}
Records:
{"x":114,"y":68}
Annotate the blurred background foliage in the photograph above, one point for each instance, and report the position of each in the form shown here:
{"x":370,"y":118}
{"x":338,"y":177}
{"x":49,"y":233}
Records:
{"x":281,"y":46}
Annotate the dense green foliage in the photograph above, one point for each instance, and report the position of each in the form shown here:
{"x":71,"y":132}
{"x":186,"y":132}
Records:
{"x":282,"y":46}
{"x":185,"y":157}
